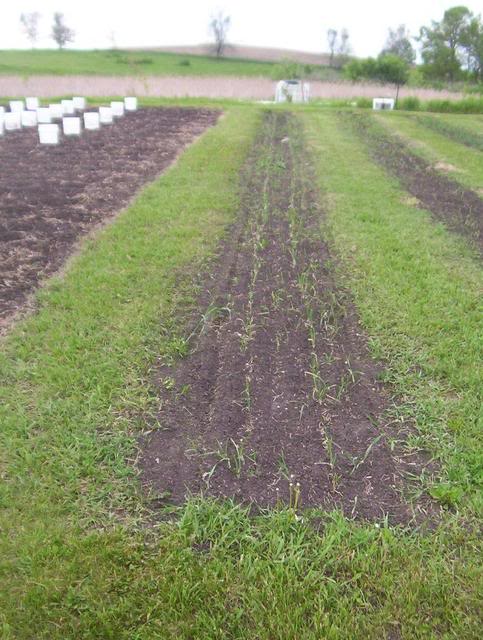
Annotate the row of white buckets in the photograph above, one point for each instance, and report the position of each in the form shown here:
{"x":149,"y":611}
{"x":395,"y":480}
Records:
{"x":49,"y":132}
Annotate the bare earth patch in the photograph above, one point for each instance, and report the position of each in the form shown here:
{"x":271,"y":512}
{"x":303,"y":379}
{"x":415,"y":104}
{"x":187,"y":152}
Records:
{"x":461,"y":209}
{"x":278,"y":399}
{"x":51,"y":196}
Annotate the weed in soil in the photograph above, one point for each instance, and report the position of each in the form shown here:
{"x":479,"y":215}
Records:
{"x":284,"y":402}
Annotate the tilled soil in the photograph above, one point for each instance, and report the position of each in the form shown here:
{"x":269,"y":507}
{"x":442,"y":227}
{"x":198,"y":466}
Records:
{"x":278,"y":400}
{"x":459,"y":208}
{"x":52,"y":195}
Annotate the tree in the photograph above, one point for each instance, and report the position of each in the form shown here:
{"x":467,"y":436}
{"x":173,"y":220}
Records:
{"x":61,"y":34}
{"x":388,"y":68}
{"x":399,"y":44}
{"x":443,"y":44}
{"x":393,"y":70}
{"x":30,"y":24}
{"x":332,"y":41}
{"x":339,"y":47}
{"x":219,"y":25}
{"x":472,"y":43}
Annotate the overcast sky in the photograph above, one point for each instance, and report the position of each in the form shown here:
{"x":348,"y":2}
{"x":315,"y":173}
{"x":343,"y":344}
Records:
{"x":301,"y":24}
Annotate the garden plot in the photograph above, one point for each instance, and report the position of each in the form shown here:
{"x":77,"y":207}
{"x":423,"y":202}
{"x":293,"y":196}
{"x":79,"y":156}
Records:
{"x":50,"y":196}
{"x":277,"y":399}
{"x":461,"y":209}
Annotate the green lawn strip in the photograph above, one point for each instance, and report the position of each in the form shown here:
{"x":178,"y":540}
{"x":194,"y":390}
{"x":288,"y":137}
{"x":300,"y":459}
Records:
{"x":125,"y":63}
{"x":470,"y":136}
{"x":437,"y":147}
{"x":471,"y":123}
{"x":73,"y":375}
{"x":418,"y":291}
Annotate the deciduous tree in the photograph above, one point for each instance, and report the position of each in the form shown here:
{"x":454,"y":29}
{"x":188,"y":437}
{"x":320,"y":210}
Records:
{"x":61,"y":34}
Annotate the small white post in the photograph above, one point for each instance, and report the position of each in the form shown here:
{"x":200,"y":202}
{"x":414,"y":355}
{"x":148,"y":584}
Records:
{"x":44,"y":115}
{"x":16,"y":106}
{"x":71,"y":126}
{"x":131,"y":103}
{"x":117,"y":109}
{"x":49,"y":133}
{"x":13,"y":121}
{"x":105,"y":115}
{"x":79,"y":103}
{"x":28,"y":118}
{"x":32,"y":104}
{"x":91,"y":120}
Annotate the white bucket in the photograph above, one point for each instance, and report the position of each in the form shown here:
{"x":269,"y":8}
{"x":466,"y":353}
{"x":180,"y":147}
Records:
{"x":49,"y":133}
{"x":13,"y":121}
{"x":28,"y":118}
{"x":68,"y":107}
{"x":91,"y":120}
{"x":44,"y":115}
{"x":32,"y":104}
{"x":71,"y":126}
{"x":117,"y":109}
{"x":56,"y":111}
{"x":16,"y":106}
{"x":130,"y":104}
{"x":79,"y":103}
{"x":105,"y":115}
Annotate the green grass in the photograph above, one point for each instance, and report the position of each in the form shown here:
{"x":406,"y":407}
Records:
{"x":417,"y":288}
{"x":80,"y":557}
{"x":469,"y":134}
{"x":120,"y":63}
{"x":435,"y":146}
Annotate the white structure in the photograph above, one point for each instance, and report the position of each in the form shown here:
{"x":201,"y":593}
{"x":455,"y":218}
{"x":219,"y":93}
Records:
{"x":49,"y":133}
{"x":16,"y":106}
{"x":292,"y":91}
{"x":2,"y":124}
{"x":379,"y":104}
{"x":56,"y":111}
{"x":105,"y":115}
{"x":28,"y":118}
{"x":2,"y":109}
{"x":13,"y":121}
{"x":91,"y":120}
{"x":79,"y":103}
{"x":43,"y":115}
{"x":117,"y":109}
{"x":71,"y":126}
{"x":130,"y":103}
{"x":32,"y":104}
{"x":68,"y":107}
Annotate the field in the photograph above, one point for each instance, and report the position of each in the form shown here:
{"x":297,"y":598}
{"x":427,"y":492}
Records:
{"x":249,"y":406}
{"x":50,"y":197}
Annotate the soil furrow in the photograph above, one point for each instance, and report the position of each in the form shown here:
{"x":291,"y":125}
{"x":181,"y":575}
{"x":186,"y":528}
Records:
{"x":278,"y":399}
{"x":459,"y":208}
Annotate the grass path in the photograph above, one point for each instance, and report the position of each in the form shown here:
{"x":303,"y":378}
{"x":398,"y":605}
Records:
{"x":463,"y":164}
{"x":75,"y":558}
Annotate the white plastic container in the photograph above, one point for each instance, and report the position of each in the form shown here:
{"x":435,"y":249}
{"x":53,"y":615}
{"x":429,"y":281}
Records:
{"x":79,"y":103}
{"x":44,"y":115}
{"x":68,"y":107}
{"x":32,"y":104}
{"x":91,"y":120}
{"x":49,"y":133}
{"x":117,"y":109}
{"x":381,"y":104}
{"x":71,"y":126}
{"x":28,"y":118}
{"x":2,"y":124}
{"x":130,"y":103}
{"x":13,"y":121}
{"x":2,"y":109}
{"x":105,"y":115}
{"x":16,"y":106}
{"x":56,"y":111}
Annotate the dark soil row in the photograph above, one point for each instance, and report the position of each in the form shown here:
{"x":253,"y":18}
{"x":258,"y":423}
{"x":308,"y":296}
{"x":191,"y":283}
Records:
{"x":459,"y":208}
{"x":51,"y":196}
{"x":278,"y":399}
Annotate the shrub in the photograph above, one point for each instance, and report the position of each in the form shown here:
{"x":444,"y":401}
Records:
{"x":364,"y":103}
{"x":411,"y":103}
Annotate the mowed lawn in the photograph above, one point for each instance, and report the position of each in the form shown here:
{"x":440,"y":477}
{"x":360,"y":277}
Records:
{"x":81,"y":555}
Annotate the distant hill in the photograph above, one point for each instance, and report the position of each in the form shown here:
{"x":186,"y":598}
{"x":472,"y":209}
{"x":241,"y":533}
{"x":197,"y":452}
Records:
{"x":264,"y":54}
